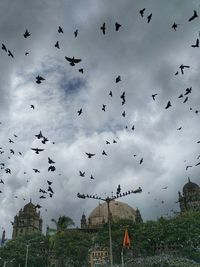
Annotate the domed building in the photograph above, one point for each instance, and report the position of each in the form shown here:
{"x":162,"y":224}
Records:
{"x":118,"y":210}
{"x":27,"y":221}
{"x":189,"y":200}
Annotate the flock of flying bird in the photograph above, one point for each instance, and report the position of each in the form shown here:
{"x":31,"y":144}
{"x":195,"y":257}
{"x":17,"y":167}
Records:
{"x":72,"y":62}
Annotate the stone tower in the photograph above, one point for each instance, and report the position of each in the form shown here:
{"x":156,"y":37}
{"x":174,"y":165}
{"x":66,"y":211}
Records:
{"x":189,"y":200}
{"x":27,"y":221}
{"x":83,"y":221}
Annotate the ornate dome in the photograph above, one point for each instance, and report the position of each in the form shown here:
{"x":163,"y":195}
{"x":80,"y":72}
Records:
{"x":30,"y":207}
{"x":119,"y":210}
{"x":189,"y":187}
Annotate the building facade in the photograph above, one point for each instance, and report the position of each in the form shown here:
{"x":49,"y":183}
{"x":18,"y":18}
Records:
{"x":27,"y":221}
{"x":189,"y":200}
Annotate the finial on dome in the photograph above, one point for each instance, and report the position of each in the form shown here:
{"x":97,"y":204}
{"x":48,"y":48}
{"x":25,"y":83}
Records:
{"x":189,"y":180}
{"x":30,"y":200}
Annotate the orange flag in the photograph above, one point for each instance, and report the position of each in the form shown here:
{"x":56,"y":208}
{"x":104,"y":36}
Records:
{"x":126,"y":241}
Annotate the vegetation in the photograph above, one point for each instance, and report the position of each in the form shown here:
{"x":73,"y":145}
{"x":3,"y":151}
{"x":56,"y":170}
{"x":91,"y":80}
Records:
{"x":70,"y":245}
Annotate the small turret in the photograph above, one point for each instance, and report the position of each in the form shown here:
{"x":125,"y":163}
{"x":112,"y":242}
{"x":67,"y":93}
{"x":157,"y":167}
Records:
{"x":83,"y":221}
{"x":138,"y":217}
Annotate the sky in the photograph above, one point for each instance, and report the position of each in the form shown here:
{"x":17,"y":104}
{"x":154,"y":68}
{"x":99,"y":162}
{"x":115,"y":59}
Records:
{"x":146,"y":56}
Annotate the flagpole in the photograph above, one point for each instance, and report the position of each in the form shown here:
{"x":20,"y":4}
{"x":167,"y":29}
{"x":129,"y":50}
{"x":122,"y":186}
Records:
{"x":122,"y":257}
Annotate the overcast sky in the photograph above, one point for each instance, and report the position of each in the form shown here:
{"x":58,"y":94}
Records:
{"x":146,"y":56}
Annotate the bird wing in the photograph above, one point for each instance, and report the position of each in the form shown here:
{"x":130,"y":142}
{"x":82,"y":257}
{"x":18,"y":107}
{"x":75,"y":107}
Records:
{"x":77,"y":60}
{"x":69,"y":59}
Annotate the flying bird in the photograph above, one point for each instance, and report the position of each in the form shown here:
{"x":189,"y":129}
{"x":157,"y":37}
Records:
{"x":50,"y":161}
{"x":186,"y":99}
{"x":10,"y":54}
{"x":7,"y":170}
{"x":27,"y":34}
{"x":10,"y":141}
{"x":32,"y":106}
{"x":51,"y":168}
{"x":188,"y":91}
{"x":82,"y":174}
{"x":165,"y":187}
{"x":49,"y":182}
{"x":3,"y":47}
{"x":189,"y":166}
{"x":180,"y":96}
{"x":36,"y":170}
{"x":103,"y":28}
{"x":107,"y":143}
{"x":117,"y":26}
{"x":90,"y":155}
{"x":104,"y":107}
{"x":141,"y":161}
{"x":39,"y":135}
{"x":37,"y":150}
{"x":44,"y":140}
{"x":60,"y":30}
{"x":76,"y":33}
{"x":73,"y":60}
{"x":168,"y":105}
{"x":39,"y":79}
{"x":118,"y":79}
{"x":79,"y":112}
{"x":110,"y":94}
{"x":149,"y":18}
{"x":196,"y":44}
{"x":91,"y":177}
{"x":194,"y":16}
{"x":153,"y":96}
{"x":182,"y":68}
{"x":179,"y":128}
{"x":104,"y":153}
{"x":142,"y":12}
{"x":124,"y":114}
{"x":57,"y":45}
{"x":174,"y":26}
{"x":81,"y":70}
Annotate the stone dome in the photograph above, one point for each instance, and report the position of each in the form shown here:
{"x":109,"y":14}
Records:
{"x":119,"y":211}
{"x":30,"y":207}
{"x":190,"y":186}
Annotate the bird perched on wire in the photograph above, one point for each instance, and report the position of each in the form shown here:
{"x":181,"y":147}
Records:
{"x":73,"y":60}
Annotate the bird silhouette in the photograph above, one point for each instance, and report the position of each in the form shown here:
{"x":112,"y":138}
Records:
{"x":107,"y":143}
{"x":73,"y":60}
{"x":186,"y":99}
{"x":142,"y":12}
{"x":168,"y":105}
{"x":118,"y":79}
{"x":196,"y":44}
{"x":81,"y":71}
{"x":10,"y":141}
{"x":103,"y":28}
{"x":39,"y":135}
{"x":3,"y":47}
{"x":174,"y":26}
{"x":117,"y":26}
{"x":110,"y":93}
{"x":149,"y":18}
{"x":82,"y":174}
{"x":179,"y":128}
{"x":104,"y":153}
{"x":36,"y":170}
{"x":7,"y":170}
{"x":51,"y":168}
{"x":26,"y":53}
{"x":91,"y":177}
{"x":79,"y":112}
{"x":49,"y":182}
{"x":37,"y":150}
{"x":90,"y":155}
{"x":12,"y":151}
{"x":10,"y":54}
{"x":114,"y":141}
{"x":141,"y":161}
{"x":50,"y":161}
{"x":124,"y":114}
{"x":44,"y":140}
{"x":60,"y":30}
{"x":1,"y":181}
{"x":27,"y":34}
{"x":104,"y":107}
{"x":182,"y":67}
{"x":39,"y":79}
{"x":165,"y":187}
{"x":193,"y":16}
{"x":188,"y":91}
{"x":76,"y":33}
{"x":153,"y":96}
{"x":189,"y":166}
{"x":180,"y":96}
{"x":32,"y":106}
{"x":57,"y":45}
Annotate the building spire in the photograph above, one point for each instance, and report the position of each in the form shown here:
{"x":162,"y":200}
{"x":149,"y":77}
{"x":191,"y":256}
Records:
{"x":189,"y":180}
